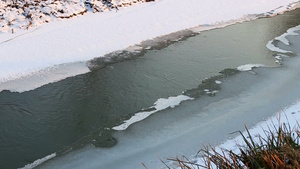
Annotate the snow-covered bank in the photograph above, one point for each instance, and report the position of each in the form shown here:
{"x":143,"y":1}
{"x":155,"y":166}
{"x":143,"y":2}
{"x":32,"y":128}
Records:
{"x":94,"y":35}
{"x":24,"y":14}
{"x":289,"y":116}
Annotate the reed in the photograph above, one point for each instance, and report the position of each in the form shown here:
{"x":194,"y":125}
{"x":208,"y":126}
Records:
{"x":278,"y":149}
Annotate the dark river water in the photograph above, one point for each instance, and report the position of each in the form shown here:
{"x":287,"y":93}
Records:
{"x":71,"y":113}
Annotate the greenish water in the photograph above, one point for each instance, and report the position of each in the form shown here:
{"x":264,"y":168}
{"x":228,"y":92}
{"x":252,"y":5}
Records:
{"x":75,"y":111}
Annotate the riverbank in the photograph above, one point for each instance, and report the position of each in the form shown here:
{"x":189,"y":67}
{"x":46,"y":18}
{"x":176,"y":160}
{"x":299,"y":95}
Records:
{"x":45,"y":51}
{"x":22,"y":14}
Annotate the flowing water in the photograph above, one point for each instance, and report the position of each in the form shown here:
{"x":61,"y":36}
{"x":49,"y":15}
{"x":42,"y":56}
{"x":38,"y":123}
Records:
{"x":82,"y":110}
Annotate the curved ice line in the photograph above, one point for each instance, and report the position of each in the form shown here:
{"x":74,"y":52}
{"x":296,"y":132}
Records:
{"x":160,"y":104}
{"x":39,"y":162}
{"x":248,"y":67}
{"x":282,"y":38}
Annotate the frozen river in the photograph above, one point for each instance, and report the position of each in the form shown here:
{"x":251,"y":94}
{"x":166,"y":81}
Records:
{"x":76,"y":117}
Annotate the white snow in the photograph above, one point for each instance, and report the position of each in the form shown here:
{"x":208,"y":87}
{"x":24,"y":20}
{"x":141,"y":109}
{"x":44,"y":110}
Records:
{"x":39,"y":161}
{"x":282,"y":38}
{"x":289,"y":32}
{"x":273,"y":48}
{"x":289,"y":115}
{"x":218,"y":82}
{"x":82,"y":38}
{"x":159,"y":105}
{"x":24,"y":14}
{"x":248,"y":67}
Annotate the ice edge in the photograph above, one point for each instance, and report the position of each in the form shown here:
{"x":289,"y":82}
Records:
{"x":39,"y":161}
{"x":159,"y":105}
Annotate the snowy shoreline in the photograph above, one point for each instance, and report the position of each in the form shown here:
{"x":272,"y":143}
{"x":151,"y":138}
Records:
{"x":23,"y":14}
{"x":95,"y":35}
{"x":289,"y":116}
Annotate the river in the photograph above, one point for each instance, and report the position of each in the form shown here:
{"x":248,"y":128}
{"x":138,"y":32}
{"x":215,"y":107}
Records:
{"x":75,"y":117}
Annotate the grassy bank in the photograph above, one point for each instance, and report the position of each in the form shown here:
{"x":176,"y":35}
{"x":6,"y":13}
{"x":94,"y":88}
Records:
{"x":277,"y":148}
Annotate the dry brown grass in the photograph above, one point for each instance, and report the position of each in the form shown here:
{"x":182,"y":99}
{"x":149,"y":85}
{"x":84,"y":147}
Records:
{"x":279,"y":149}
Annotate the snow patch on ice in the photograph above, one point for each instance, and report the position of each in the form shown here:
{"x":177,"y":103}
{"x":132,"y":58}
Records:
{"x":159,"y":105}
{"x":290,"y":115}
{"x":218,"y":82}
{"x":249,"y":67}
{"x":39,"y":162}
{"x":282,"y":38}
{"x":273,"y":48}
{"x":290,"y":32}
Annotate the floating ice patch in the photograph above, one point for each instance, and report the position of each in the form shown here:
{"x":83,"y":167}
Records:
{"x":39,"y":162}
{"x":277,"y":57}
{"x":290,"y":32}
{"x":283,"y":39}
{"x":159,"y":105}
{"x":281,"y":56}
{"x":273,"y":48}
{"x":248,"y":67}
{"x":210,"y":92}
{"x":218,"y":82}
{"x":134,"y":48}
